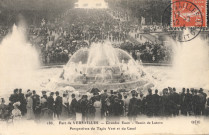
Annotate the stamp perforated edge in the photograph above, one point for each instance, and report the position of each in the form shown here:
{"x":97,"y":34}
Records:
{"x":205,"y":19}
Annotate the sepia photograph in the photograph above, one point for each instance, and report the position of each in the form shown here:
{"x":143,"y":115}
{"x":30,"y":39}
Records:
{"x":104,"y":67}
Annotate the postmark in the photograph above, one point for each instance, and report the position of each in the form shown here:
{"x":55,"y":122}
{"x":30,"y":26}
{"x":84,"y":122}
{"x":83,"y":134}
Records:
{"x":185,"y":19}
{"x":191,"y":13}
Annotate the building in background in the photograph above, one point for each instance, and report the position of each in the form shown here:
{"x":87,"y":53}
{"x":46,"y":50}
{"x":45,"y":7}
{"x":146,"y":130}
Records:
{"x":91,"y":4}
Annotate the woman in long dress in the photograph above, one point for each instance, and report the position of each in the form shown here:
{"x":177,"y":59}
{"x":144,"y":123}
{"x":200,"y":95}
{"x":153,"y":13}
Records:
{"x":65,"y":106}
{"x":30,"y":113}
{"x":98,"y":106}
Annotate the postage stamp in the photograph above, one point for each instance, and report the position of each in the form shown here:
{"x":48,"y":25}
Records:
{"x":189,"y":13}
{"x":185,"y":19}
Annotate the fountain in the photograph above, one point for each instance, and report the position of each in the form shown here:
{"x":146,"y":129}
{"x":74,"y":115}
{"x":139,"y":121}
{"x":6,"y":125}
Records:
{"x":191,"y":63}
{"x":19,"y":60}
{"x":190,"y":66}
{"x":103,"y":67}
{"x":100,"y":66}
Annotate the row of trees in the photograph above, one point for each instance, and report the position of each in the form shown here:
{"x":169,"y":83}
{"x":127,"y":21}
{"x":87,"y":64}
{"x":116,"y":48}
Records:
{"x":151,"y":10}
{"x":31,"y":11}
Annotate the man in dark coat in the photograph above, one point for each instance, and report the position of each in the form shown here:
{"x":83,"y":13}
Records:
{"x":203,"y":100}
{"x":111,"y":100}
{"x":104,"y":97}
{"x":149,"y":103}
{"x":117,"y":109}
{"x":156,"y":103}
{"x":121,"y":104}
{"x":175,"y":97}
{"x":188,"y":102}
{"x":58,"y":105}
{"x":36,"y":104}
{"x":183,"y":103}
{"x":83,"y":107}
{"x":73,"y":106}
{"x":112,"y":96}
{"x":50,"y":105}
{"x":14,"y":97}
{"x":23,"y":102}
{"x":196,"y":103}
{"x":132,"y":108}
{"x":165,"y":101}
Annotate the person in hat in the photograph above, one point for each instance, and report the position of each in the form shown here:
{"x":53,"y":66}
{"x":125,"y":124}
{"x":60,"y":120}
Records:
{"x":104,"y":97}
{"x":183,"y":103}
{"x":156,"y":103}
{"x":65,"y":106}
{"x":50,"y":105}
{"x":117,"y":111}
{"x":196,"y":103}
{"x":58,"y":105}
{"x":44,"y":94}
{"x":44,"y":108}
{"x":165,"y":102}
{"x":23,"y":102}
{"x":16,"y":113}
{"x":43,"y":100}
{"x":188,"y":102}
{"x":192,"y":92}
{"x":132,"y":108}
{"x":78,"y":109}
{"x":112,"y":96}
{"x":14,"y":97}
{"x":36,"y":105}
{"x":175,"y":97}
{"x":203,"y":97}
{"x":170,"y":104}
{"x":149,"y":103}
{"x":111,"y":101}
{"x":121,"y":104}
{"x":73,"y":106}
{"x":30,"y":113}
{"x":83,"y":106}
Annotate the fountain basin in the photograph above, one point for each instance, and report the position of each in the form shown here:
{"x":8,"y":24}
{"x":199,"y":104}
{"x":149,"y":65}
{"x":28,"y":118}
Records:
{"x":109,"y":86}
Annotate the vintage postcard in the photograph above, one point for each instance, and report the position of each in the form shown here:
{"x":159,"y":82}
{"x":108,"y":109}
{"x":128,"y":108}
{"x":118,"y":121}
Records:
{"x":104,"y":67}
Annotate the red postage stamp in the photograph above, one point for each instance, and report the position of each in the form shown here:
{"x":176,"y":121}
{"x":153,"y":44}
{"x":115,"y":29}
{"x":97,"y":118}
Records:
{"x":189,"y":13}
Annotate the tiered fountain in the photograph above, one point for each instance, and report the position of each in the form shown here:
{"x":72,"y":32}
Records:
{"x":104,"y":67}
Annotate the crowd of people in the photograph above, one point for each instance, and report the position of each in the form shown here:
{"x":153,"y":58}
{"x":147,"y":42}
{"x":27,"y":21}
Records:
{"x":75,"y":32}
{"x":80,"y":31}
{"x":104,"y":104}
{"x":59,"y":38}
{"x":151,"y":49}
